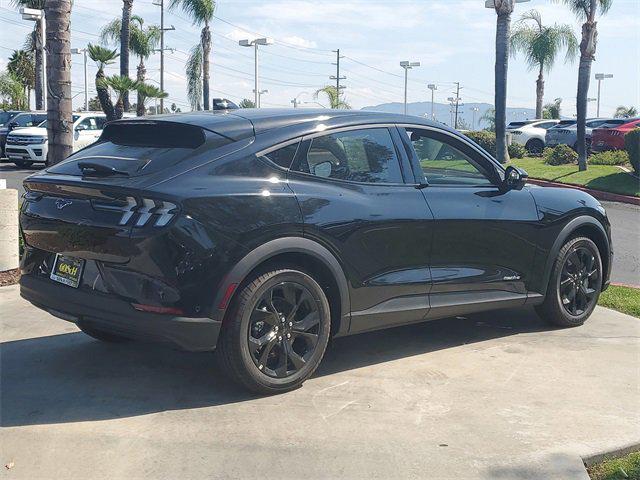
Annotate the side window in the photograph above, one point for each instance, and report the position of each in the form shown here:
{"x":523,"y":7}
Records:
{"x":88,"y":123}
{"x":366,"y":155}
{"x":283,"y":156}
{"x":444,"y":164}
{"x":546,"y":125}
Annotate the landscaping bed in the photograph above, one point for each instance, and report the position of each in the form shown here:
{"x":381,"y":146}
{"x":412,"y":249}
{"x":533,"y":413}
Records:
{"x":622,"y":468}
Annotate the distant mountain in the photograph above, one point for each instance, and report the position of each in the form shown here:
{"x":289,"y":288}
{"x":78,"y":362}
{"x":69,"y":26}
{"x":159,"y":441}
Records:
{"x":442,"y":112}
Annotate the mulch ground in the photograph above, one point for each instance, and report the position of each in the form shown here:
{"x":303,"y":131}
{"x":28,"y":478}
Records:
{"x":9,"y":277}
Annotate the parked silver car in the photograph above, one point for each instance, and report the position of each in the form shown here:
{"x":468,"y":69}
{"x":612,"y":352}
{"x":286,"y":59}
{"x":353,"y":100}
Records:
{"x":566,"y":132}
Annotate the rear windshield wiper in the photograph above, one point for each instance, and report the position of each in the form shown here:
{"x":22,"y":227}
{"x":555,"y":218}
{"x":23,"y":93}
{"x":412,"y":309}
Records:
{"x":100,"y":169}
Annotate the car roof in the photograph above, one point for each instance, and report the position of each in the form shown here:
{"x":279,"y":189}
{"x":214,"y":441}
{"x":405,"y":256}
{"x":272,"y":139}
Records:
{"x":245,"y":122}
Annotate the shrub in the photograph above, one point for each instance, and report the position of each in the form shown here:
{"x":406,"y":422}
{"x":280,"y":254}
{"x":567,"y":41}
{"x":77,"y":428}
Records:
{"x":632,"y":145}
{"x":486,"y":140}
{"x":611,"y":157}
{"x":517,"y":151}
{"x":560,"y":155}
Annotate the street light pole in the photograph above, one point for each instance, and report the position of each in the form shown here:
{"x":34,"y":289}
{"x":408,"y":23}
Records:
{"x":599,"y":78}
{"x":474,"y":110}
{"x":254,"y":43}
{"x":433,"y":87}
{"x":36,"y":15}
{"x":407,"y":66}
{"x":77,"y":51}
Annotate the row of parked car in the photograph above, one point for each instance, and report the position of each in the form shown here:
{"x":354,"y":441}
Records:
{"x":602,"y":133}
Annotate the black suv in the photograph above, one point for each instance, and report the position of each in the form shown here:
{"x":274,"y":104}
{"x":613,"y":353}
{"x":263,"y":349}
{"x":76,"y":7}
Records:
{"x":263,"y":233}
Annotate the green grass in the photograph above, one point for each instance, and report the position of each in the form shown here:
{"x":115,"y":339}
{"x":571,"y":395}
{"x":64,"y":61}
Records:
{"x":623,"y":468}
{"x":607,"y":178}
{"x":623,"y":299}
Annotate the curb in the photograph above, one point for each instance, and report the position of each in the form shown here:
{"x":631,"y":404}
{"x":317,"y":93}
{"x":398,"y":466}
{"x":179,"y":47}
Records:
{"x":618,"y":452}
{"x":599,"y":194}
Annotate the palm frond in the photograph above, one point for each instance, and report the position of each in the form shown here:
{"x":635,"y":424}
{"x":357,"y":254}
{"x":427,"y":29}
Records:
{"x":101,"y":55}
{"x":193,"y":71}
{"x":582,"y":8}
{"x":200,"y":11}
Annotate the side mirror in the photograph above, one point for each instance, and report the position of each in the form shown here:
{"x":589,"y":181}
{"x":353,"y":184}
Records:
{"x":81,"y":127}
{"x":514,"y":178}
{"x":323,"y":169}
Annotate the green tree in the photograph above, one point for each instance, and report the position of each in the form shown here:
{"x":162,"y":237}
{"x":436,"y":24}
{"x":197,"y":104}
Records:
{"x":540,"y":45}
{"x":586,"y":11}
{"x":125,"y":40}
{"x":201,"y":13}
{"x":59,"y":104}
{"x":193,"y":71}
{"x":143,"y":40}
{"x":36,"y":44}
{"x":103,"y":57}
{"x":146,"y":91}
{"x":121,"y":85}
{"x":552,"y":110}
{"x":246,"y":103}
{"x":331,"y":93}
{"x":22,"y":67}
{"x":94,"y":104}
{"x":489,"y":117}
{"x":12,"y":92}
{"x":625,"y":112}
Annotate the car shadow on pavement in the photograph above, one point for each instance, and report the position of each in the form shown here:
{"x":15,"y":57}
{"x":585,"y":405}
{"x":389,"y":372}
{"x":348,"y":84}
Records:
{"x":72,"y":377}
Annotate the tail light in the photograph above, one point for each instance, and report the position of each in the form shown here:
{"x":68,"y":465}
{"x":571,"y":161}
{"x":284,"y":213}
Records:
{"x":141,"y":211}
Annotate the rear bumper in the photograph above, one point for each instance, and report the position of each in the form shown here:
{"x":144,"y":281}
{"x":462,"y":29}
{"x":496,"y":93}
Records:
{"x":118,"y":317}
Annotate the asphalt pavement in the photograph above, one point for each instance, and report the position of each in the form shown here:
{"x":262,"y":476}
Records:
{"x":497,"y":395}
{"x":625,"y":221}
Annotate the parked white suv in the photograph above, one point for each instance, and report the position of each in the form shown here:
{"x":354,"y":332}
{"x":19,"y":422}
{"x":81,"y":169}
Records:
{"x":29,"y":145}
{"x":531,"y":135}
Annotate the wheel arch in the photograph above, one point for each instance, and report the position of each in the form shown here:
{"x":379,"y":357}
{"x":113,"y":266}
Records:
{"x":588,"y":227}
{"x":294,"y":251}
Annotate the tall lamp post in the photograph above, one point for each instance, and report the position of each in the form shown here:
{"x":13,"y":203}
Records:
{"x":254,"y":43}
{"x":433,"y":87}
{"x":36,"y":15}
{"x":599,"y":78}
{"x":78,"y":51}
{"x":474,"y":110}
{"x":407,"y":66}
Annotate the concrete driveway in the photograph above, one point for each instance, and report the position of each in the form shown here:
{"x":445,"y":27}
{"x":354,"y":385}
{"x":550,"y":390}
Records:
{"x":495,"y":395}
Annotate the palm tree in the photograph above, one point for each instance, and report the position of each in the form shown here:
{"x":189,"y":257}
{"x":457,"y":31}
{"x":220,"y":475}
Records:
{"x":103,"y":57}
{"x":36,"y":43}
{"x":193,"y":71}
{"x":625,"y":112}
{"x":540,"y":45}
{"x":21,"y":65}
{"x":552,"y":110}
{"x":489,"y":117}
{"x":12,"y":92}
{"x":246,"y":103}
{"x":504,"y":9}
{"x":59,"y":107}
{"x":332,"y":94}
{"x":125,"y":39}
{"x":143,"y":40}
{"x":146,"y":91}
{"x":201,"y":13}
{"x":122,"y":85}
{"x":586,"y":10}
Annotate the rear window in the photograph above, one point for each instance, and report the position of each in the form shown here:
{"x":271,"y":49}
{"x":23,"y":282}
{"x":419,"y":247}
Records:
{"x":138,"y":148}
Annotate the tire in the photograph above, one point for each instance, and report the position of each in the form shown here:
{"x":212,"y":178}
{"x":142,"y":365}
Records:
{"x":22,"y":164}
{"x":265,"y":356}
{"x":573,"y":272}
{"x":102,"y":335}
{"x":535,"y":146}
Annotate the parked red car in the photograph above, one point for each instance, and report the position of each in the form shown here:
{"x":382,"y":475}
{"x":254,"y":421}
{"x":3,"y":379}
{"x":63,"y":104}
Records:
{"x":610,"y":136}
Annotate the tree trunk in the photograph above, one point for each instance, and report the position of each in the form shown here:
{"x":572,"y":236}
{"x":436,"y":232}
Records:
{"x":587,"y":55}
{"x":142,"y":72}
{"x":205,"y":39}
{"x":103,"y":97}
{"x":38,"y":82}
{"x":125,"y":35}
{"x":119,"y":108}
{"x":503,"y":9}
{"x":539,"y":93}
{"x":59,"y":107}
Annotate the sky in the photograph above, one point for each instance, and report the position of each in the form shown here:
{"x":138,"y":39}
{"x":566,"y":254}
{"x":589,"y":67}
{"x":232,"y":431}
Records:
{"x":453,"y":40}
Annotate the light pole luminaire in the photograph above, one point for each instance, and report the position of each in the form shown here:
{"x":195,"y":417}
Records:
{"x":407,"y":66}
{"x":599,"y":78}
{"x":254,"y":43}
{"x":36,"y":15}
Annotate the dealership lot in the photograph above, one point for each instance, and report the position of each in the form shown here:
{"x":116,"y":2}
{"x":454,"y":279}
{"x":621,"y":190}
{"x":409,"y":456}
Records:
{"x":496,"y":395}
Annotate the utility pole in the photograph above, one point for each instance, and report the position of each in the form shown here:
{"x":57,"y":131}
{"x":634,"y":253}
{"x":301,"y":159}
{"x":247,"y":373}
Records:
{"x":160,"y":3}
{"x":457,"y":103}
{"x":433,"y":87}
{"x":337,"y":77}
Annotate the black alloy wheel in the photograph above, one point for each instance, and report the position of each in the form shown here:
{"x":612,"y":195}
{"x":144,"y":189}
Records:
{"x":276,"y":331}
